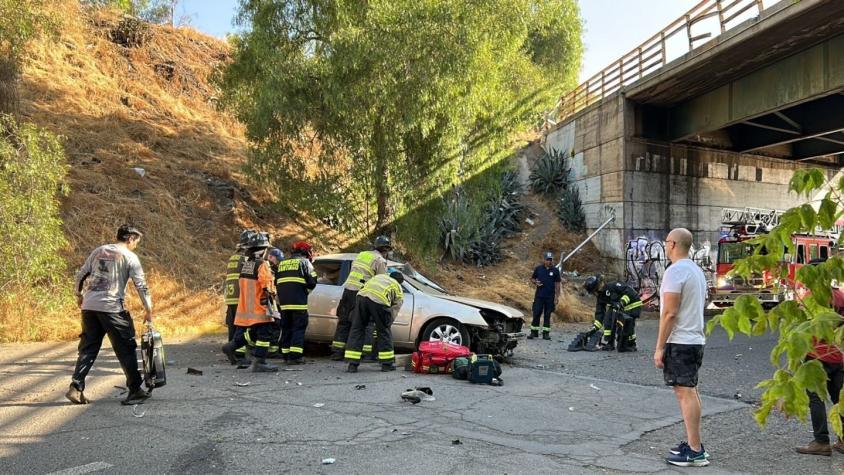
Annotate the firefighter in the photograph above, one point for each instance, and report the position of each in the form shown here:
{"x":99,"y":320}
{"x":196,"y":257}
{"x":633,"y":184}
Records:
{"x":274,"y":256}
{"x":256,"y":306}
{"x":366,"y":265}
{"x":230,"y":287}
{"x":379,"y":300}
{"x":294,"y":281}
{"x":546,"y":278}
{"x":619,"y":322}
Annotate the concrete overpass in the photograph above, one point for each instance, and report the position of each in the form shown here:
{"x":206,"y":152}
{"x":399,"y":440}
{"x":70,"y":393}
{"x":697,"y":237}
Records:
{"x":665,"y":143}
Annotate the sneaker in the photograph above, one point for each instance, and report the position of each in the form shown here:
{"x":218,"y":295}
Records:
{"x":679,"y":448}
{"x":138,"y":396}
{"x":688,"y":458}
{"x":815,"y":448}
{"x":75,"y":395}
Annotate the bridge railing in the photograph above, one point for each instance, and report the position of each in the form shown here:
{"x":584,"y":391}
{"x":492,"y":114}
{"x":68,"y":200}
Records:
{"x":651,"y":55}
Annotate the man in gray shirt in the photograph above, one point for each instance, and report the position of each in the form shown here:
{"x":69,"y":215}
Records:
{"x":106,"y":272}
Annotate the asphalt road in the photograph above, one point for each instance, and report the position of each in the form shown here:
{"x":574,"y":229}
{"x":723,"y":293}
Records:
{"x":558,"y":412}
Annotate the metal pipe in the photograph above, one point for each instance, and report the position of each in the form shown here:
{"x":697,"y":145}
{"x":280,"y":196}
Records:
{"x":564,"y":259}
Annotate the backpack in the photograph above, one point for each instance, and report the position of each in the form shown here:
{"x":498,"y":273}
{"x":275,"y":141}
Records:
{"x":435,"y":357}
{"x":483,"y":369}
{"x":460,"y":368}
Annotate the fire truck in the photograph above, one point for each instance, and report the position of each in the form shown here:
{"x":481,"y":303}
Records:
{"x":738,"y":226}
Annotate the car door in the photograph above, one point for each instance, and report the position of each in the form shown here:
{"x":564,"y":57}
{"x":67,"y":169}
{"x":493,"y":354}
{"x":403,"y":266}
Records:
{"x":323,"y":300}
{"x":401,"y":324}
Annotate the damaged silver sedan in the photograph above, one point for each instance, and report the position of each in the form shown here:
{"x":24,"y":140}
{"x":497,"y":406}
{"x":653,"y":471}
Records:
{"x":428,"y":313}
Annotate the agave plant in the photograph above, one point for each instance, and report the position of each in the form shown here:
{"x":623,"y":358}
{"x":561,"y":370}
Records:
{"x":570,"y":210}
{"x":548,"y":176}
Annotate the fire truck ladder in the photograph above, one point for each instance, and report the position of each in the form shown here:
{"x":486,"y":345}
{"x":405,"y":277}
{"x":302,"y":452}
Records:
{"x":765,"y":218}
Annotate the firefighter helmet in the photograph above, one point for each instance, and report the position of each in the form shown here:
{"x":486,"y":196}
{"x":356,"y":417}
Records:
{"x":276,"y":253}
{"x":258,"y":241}
{"x":243,"y":242}
{"x":593,"y":283}
{"x":304,"y":249}
{"x":382,"y":242}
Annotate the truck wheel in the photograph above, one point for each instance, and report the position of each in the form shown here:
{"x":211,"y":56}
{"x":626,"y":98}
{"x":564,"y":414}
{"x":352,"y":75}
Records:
{"x":446,"y":329}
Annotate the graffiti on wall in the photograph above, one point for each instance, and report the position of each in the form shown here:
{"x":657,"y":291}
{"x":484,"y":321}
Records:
{"x":645,"y":263}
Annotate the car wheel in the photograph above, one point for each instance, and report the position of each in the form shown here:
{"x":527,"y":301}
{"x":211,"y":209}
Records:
{"x":446,"y":329}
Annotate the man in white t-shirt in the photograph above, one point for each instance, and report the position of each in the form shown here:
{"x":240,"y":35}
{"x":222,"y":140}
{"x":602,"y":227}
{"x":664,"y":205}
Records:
{"x":679,"y":345}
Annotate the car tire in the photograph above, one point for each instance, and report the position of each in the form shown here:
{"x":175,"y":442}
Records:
{"x":452,"y":330}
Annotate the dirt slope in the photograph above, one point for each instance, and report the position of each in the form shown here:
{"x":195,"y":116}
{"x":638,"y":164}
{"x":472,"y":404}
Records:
{"x":150,"y":107}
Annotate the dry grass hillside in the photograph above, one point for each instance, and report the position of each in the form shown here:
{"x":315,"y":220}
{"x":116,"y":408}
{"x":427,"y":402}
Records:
{"x":149,"y":106}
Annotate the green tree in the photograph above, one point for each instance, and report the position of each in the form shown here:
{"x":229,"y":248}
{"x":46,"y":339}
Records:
{"x":154,"y":11}
{"x":797,"y":322}
{"x":32,"y":170}
{"x":360,"y":112}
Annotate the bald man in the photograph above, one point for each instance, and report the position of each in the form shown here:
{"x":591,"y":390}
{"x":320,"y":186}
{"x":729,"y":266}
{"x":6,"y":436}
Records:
{"x":679,"y":344}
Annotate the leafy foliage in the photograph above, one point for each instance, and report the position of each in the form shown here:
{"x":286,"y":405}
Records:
{"x":32,"y":170}
{"x":798,"y":322}
{"x":391,"y":103}
{"x":478,"y":241}
{"x":549,"y":174}
{"x":153,"y":11}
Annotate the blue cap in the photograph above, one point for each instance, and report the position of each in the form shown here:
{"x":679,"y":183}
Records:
{"x":549,"y":255}
{"x":276,"y":252}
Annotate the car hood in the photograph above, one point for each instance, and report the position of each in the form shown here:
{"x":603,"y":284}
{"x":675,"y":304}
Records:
{"x":508,"y":311}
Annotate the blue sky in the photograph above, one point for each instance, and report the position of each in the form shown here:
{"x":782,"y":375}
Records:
{"x":612,"y":27}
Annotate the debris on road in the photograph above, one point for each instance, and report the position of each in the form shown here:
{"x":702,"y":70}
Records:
{"x":596,"y":388}
{"x":738,"y":356}
{"x":571,"y":408}
{"x":120,"y":387}
{"x":241,"y":384}
{"x":194,"y":372}
{"x":292,"y":369}
{"x":319,"y":404}
{"x":298,"y":383}
{"x":360,"y":386}
{"x":419,"y":394}
{"x":135,"y":411}
{"x":530,"y":221}
{"x":737,"y":395}
{"x":456,"y":442}
{"x":328,"y":461}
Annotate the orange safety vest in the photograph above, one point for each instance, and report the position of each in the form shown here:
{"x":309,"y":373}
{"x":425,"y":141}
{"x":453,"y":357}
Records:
{"x":255,"y":281}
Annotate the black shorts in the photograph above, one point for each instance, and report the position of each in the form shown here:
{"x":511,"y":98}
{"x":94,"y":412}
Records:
{"x":681,"y":364}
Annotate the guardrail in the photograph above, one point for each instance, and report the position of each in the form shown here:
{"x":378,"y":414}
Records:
{"x":653,"y":53}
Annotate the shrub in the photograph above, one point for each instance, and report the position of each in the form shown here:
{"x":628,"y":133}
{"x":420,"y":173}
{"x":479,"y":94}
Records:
{"x":548,"y":176}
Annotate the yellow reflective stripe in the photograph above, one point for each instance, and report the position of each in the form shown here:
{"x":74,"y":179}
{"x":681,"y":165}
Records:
{"x":232,"y":301}
{"x":242,"y":349}
{"x":633,"y":305}
{"x":285,"y":350}
{"x":262,"y":344}
{"x":353,"y":355}
{"x":294,"y":307}
{"x":234,"y":276}
{"x":338,"y":344}
{"x":273,"y":349}
{"x":385,"y":355}
{"x":607,"y":332}
{"x":625,"y":299}
{"x":296,"y":349}
{"x":248,"y":340}
{"x":367,"y":348}
{"x":598,"y":324}
{"x":287,"y":280}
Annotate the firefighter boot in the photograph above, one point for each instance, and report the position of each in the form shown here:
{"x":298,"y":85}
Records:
{"x":388,"y":367}
{"x":352,"y":368}
{"x":228,"y":350}
{"x":259,"y":365}
{"x":533,"y":334}
{"x":546,"y":335}
{"x":337,"y":355}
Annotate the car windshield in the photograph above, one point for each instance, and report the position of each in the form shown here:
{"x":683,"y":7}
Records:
{"x":417,"y":280}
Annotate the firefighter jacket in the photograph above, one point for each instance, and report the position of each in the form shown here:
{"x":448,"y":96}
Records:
{"x":231,"y":289}
{"x":294,"y":280}
{"x":256,"y":284}
{"x":366,"y":265}
{"x":384,"y":290}
{"x":619,"y":294}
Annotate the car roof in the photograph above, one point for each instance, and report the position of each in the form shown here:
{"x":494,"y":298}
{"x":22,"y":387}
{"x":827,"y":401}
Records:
{"x":349,"y":256}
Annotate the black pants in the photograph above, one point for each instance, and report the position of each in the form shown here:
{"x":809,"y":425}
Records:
{"x":344,"y":319}
{"x":542,"y":306}
{"x":231,"y":310}
{"x":293,"y":326}
{"x":817,"y":408}
{"x":121,"y":333}
{"x":367,"y":311}
{"x":627,"y":335}
{"x":259,"y":335}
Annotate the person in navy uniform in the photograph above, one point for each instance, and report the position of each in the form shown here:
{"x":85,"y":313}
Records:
{"x":546,"y":278}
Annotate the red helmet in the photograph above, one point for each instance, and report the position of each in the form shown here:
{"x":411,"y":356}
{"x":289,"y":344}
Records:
{"x":302,"y":247}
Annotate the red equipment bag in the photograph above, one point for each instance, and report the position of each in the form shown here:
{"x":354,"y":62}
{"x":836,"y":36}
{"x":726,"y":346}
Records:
{"x":435,"y":357}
